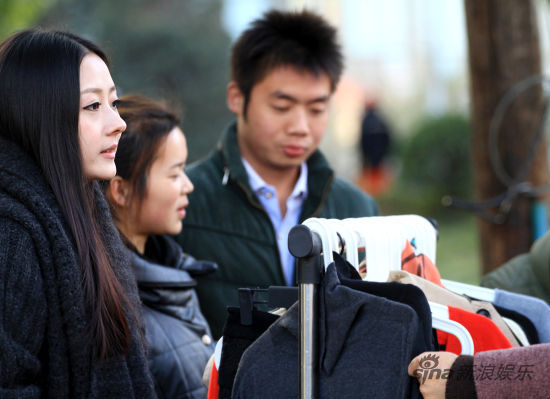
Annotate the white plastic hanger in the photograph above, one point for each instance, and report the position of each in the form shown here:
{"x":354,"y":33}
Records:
{"x":517,"y":331}
{"x":422,"y":231}
{"x":218,"y":353}
{"x":383,"y":240}
{"x":337,"y":227}
{"x":326,"y":234}
{"x":441,"y":321}
{"x":473,"y":291}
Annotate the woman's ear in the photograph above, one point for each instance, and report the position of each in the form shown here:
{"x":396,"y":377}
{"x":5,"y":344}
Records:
{"x":235,"y":98}
{"x":119,"y":192}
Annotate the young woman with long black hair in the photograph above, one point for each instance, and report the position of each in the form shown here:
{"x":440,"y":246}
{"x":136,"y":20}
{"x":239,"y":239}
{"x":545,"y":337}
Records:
{"x":68,"y":300}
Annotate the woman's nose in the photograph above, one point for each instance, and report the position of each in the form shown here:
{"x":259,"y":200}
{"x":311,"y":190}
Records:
{"x":187,"y":186}
{"x":117,"y":124}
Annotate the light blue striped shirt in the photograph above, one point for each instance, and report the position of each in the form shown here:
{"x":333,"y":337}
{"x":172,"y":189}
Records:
{"x":268,"y":197}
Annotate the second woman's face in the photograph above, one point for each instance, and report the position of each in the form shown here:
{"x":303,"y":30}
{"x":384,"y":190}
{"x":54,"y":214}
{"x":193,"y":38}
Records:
{"x":99,"y":125}
{"x":165,"y":202}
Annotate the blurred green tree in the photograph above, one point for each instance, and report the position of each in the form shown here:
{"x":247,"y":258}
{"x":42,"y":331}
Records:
{"x":435,"y":162}
{"x":437,"y":156}
{"x":18,"y":14}
{"x":170,"y":50}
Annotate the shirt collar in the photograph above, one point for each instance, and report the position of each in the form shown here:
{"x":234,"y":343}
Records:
{"x":300,"y":189}
{"x":258,"y":184}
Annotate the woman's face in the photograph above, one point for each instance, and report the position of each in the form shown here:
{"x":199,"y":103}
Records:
{"x":99,"y":125}
{"x":165,"y":201}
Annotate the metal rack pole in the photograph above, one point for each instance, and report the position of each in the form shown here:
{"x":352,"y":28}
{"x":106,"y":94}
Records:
{"x":306,"y":246}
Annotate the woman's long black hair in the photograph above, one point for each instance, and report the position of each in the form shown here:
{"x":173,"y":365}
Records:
{"x":39,"y":110}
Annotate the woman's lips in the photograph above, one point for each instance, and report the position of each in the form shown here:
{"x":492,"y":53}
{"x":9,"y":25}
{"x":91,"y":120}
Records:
{"x":181,"y":212}
{"x":294,"y":151}
{"x":110,"y":152}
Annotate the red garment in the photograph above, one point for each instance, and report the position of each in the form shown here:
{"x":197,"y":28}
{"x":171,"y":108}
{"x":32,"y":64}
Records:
{"x":485,"y":333}
{"x":419,"y":265}
{"x":213,"y":388}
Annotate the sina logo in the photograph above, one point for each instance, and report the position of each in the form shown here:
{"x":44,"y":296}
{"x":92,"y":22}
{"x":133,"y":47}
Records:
{"x":429,"y":362}
{"x":428,"y":369}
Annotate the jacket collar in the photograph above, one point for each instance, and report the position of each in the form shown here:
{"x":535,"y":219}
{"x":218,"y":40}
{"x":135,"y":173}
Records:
{"x":148,"y":273}
{"x":258,"y":184}
{"x":163,"y":250}
{"x":319,"y":178}
{"x":161,"y":264}
{"x":229,"y":148}
{"x":339,"y":307}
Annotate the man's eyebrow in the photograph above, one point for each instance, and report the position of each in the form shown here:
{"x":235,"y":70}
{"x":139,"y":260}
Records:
{"x":96,"y":90}
{"x":283,"y":96}
{"x":321,"y":99}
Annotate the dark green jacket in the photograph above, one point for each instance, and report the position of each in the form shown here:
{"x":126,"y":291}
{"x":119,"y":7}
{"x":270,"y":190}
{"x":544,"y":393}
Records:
{"x":226,"y":223}
{"x":528,"y":273}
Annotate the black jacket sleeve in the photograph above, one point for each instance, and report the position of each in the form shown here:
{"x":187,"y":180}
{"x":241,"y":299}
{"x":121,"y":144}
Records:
{"x":461,"y":384}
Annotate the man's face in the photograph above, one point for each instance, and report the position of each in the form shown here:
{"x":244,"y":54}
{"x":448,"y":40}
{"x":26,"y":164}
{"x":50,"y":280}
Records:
{"x":285,"y":120}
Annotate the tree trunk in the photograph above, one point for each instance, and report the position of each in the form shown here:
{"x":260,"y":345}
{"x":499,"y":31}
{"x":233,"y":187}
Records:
{"x":504,"y":50}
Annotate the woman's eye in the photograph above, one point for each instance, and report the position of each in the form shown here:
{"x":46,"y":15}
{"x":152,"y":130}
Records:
{"x":93,"y":107}
{"x":116,"y":103}
{"x":178,"y":175}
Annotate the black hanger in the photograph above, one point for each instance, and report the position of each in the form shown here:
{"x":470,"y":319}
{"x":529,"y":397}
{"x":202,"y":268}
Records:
{"x":273,"y":296}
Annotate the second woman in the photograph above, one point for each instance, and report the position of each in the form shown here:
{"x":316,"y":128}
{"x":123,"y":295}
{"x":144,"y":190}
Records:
{"x":148,"y":198}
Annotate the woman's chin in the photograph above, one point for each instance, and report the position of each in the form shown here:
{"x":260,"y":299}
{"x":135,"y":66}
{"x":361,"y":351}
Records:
{"x":175,"y":230}
{"x":104,"y":173}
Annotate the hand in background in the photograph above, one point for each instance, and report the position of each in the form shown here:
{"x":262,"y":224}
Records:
{"x":423,"y":367}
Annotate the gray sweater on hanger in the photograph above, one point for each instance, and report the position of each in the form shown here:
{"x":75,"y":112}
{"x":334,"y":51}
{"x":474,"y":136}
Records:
{"x":365,"y":346}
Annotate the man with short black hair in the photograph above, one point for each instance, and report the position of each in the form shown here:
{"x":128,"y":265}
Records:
{"x":267,"y":174}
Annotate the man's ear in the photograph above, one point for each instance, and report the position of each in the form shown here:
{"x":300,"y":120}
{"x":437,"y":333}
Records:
{"x":119,"y":192}
{"x":235,"y":98}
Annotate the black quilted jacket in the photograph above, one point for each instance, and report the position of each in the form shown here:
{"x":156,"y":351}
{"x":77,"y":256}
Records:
{"x":180,"y":342}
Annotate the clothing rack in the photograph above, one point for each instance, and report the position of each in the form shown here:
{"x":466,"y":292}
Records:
{"x":306,"y":246}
